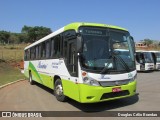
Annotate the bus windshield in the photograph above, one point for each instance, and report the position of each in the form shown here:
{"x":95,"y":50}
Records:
{"x":148,"y":57}
{"x":111,"y":50}
{"x":157,"y":57}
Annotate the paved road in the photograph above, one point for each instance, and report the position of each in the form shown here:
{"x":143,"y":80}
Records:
{"x":22,"y":96}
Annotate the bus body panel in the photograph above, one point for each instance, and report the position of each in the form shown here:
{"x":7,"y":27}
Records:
{"x":157,"y":66}
{"x":112,"y":77}
{"x":73,"y":87}
{"x":91,"y":94}
{"x":43,"y":71}
{"x":147,"y":67}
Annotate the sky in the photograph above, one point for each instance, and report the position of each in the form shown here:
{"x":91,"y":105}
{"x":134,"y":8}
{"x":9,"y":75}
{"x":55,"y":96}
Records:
{"x":140,"y":17}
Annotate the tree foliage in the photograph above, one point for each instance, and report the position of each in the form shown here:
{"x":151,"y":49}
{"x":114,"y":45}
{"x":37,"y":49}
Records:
{"x":35,"y":33}
{"x":4,"y":37}
{"x":28,"y":35}
{"x":148,"y":42}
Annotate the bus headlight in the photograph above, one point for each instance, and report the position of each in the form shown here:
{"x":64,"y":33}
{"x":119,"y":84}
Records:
{"x":94,"y":83}
{"x":89,"y":81}
{"x":133,"y":79}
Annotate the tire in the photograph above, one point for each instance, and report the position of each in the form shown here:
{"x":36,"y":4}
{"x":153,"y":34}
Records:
{"x":30,"y":79}
{"x":58,"y":91}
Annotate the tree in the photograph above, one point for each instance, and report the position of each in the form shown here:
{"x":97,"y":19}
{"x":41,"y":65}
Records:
{"x":25,"y":29}
{"x":13,"y":38}
{"x":4,"y":37}
{"x":28,"y":34}
{"x":148,"y":41}
{"x":23,"y":38}
{"x":35,"y":33}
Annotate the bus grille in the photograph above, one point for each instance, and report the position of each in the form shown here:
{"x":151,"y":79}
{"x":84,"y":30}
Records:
{"x":114,"y":83}
{"x":114,"y":94}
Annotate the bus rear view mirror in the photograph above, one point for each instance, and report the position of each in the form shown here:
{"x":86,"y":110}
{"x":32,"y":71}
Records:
{"x":79,"y":44}
{"x":132,"y":40}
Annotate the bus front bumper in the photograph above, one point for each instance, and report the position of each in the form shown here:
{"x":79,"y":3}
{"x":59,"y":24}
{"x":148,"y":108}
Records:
{"x":91,"y":94}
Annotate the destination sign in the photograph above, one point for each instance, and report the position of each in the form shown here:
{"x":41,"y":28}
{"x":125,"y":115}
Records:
{"x":89,"y":31}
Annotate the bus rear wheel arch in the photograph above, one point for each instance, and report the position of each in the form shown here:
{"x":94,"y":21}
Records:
{"x":58,"y":91}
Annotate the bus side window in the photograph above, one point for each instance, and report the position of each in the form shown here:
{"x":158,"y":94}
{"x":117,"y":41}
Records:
{"x":48,"y":51}
{"x":36,"y":52}
{"x":39,"y":51}
{"x":52,"y":48}
{"x":61,"y":47}
{"x":32,"y":53}
{"x":43,"y":50}
{"x":57,"y":46}
{"x":25,"y":55}
{"x":28,"y":54}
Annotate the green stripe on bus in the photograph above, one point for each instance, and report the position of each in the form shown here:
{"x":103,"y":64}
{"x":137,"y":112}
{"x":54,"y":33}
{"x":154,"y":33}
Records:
{"x":35,"y":74}
{"x":78,"y":24}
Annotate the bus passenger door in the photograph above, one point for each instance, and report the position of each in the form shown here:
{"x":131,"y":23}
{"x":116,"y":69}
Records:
{"x":70,"y":54}
{"x":72,"y":58}
{"x":71,"y":88}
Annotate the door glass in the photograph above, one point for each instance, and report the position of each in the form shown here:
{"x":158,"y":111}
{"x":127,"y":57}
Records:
{"x":72,"y":59}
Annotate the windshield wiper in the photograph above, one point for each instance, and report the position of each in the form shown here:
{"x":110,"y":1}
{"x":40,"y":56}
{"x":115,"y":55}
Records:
{"x":122,"y":62}
{"x":105,"y":69}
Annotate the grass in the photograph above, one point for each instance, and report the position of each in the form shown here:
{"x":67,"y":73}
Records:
{"x":12,"y":52}
{"x":10,"y":55}
{"x":9,"y":74}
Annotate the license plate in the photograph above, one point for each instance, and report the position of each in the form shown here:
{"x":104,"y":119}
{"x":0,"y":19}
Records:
{"x":118,"y":89}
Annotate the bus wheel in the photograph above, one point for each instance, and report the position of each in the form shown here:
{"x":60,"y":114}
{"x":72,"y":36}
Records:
{"x":58,"y":91}
{"x":30,"y":79}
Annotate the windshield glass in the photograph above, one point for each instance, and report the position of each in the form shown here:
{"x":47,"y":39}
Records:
{"x":110,"y":50}
{"x":158,"y":57}
{"x":148,"y":57}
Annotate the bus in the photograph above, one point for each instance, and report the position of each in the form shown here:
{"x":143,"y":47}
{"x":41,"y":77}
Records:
{"x":79,"y":61}
{"x":144,"y":61}
{"x":156,"y":58}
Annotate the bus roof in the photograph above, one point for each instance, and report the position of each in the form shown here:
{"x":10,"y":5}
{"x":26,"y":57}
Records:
{"x":142,"y":51}
{"x":154,"y":51}
{"x":74,"y":26}
{"x":122,"y":50}
{"x":147,"y":51}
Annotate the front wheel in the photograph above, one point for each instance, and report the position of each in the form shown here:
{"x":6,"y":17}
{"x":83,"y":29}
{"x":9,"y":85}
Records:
{"x":58,"y":91}
{"x":30,"y":79}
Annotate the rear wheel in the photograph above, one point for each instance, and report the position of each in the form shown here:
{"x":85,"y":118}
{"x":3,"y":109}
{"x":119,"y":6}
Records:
{"x":30,"y":79}
{"x":58,"y":91}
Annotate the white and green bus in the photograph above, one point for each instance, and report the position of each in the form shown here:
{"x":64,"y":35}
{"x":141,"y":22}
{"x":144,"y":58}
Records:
{"x":144,"y":61}
{"x":156,"y":58}
{"x":80,"y":61}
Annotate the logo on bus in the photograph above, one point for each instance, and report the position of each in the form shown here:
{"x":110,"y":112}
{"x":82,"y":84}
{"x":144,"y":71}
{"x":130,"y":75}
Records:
{"x":105,"y":77}
{"x":42,"y":65}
